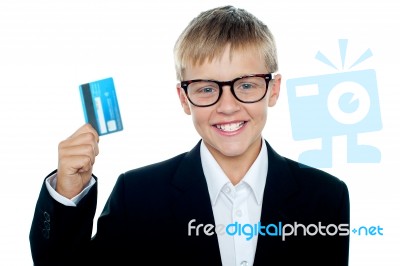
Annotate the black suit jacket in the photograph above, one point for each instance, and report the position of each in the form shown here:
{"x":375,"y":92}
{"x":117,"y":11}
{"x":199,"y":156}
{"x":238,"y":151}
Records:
{"x":145,"y":220}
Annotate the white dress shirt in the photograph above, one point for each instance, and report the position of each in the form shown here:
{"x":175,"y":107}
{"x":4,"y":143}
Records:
{"x":240,"y":203}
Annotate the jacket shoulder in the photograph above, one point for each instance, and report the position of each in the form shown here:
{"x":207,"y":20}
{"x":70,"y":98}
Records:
{"x":156,"y":172}
{"x":318,"y":177}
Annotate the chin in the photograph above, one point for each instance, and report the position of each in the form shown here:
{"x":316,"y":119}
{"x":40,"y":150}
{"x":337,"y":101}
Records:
{"x":232,"y":150}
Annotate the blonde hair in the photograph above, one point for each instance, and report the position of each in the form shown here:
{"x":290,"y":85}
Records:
{"x":208,"y":34}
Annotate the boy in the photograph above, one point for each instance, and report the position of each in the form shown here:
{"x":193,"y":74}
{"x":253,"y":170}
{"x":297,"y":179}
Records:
{"x":231,"y":200}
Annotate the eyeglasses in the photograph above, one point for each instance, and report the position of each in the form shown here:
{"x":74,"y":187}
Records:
{"x":246,"y":89}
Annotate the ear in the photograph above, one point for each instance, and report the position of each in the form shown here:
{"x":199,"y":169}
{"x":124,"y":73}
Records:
{"x":274,"y":90}
{"x":183,"y":99}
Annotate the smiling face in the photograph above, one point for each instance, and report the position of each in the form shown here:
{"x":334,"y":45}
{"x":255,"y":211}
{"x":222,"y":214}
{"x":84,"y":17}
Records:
{"x":231,"y":128}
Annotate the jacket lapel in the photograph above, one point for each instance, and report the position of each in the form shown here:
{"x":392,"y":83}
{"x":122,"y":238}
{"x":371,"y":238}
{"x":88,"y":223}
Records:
{"x":276,"y":207}
{"x":192,"y":201}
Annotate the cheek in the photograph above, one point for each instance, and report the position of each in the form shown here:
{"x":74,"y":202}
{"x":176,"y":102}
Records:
{"x":262,"y":117}
{"x":259,"y":112}
{"x":200,"y":117}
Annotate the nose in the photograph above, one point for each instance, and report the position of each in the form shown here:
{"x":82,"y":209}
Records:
{"x":227,"y":103}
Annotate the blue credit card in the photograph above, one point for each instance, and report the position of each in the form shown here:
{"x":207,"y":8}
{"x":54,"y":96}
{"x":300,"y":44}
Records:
{"x":100,"y":106}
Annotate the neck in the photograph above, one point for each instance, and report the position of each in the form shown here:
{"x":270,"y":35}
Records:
{"x":236,"y":167}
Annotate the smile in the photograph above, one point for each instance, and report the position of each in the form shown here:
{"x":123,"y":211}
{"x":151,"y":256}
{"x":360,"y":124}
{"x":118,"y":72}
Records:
{"x":230,"y":127}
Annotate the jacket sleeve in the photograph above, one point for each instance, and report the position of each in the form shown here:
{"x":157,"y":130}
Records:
{"x":60,"y":235}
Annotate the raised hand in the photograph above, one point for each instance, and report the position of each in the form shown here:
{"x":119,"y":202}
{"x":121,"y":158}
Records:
{"x":76,"y":156}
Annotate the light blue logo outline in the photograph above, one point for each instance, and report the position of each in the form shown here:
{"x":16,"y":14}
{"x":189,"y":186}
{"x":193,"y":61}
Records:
{"x":343,"y":103}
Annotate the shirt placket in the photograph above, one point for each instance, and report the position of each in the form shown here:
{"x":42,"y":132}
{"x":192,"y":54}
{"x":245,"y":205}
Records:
{"x":245,"y":233}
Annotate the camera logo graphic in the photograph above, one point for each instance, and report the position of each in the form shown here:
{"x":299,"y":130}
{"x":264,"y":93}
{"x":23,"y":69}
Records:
{"x":344,"y":103}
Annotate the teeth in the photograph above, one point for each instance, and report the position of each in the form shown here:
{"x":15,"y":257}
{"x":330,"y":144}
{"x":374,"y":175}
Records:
{"x":230,"y":127}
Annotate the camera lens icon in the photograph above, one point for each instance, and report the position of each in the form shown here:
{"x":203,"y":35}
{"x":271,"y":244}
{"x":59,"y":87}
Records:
{"x":348,"y":103}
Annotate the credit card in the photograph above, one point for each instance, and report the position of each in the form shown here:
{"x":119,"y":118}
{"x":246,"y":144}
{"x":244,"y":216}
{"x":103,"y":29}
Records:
{"x":100,"y":106}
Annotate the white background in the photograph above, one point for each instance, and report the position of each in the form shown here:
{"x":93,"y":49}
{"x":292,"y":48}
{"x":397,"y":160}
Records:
{"x":48,"y":48}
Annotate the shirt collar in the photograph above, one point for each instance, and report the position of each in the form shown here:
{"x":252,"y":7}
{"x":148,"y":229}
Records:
{"x":216,"y":179}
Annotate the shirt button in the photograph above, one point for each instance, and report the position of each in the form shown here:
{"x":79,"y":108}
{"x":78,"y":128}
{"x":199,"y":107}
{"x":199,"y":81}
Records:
{"x":244,"y":263}
{"x":227,"y":190}
{"x":239,"y":213}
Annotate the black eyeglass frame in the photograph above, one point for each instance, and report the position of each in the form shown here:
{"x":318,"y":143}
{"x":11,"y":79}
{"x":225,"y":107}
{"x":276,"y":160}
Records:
{"x":268,"y":77}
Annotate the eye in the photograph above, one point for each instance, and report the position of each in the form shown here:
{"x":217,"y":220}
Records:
{"x":246,"y":86}
{"x":206,"y":90}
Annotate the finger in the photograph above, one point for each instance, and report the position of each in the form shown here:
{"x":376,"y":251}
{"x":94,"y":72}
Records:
{"x":86,"y":138}
{"x":86,"y":128}
{"x":75,"y":164}
{"x":79,"y":150}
